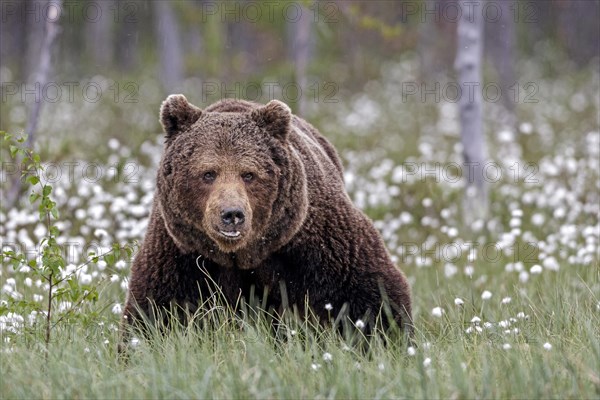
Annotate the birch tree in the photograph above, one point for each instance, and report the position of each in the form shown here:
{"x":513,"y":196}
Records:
{"x":299,"y":32}
{"x":100,"y":36}
{"x":500,"y":45}
{"x":169,"y":46}
{"x":42,"y":73}
{"x":39,"y":78}
{"x":468,"y":66}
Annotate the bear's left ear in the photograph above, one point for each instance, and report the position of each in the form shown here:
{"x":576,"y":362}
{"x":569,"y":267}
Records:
{"x":275,"y":118}
{"x":177,"y":114}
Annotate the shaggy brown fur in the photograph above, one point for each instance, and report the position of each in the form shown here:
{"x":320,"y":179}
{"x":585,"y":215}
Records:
{"x":255,"y":196}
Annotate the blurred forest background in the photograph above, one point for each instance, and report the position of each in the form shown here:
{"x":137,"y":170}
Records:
{"x":505,"y":305}
{"x":143,"y":50}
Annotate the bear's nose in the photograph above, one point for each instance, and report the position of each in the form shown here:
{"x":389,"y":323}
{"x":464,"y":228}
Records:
{"x":233,"y":216}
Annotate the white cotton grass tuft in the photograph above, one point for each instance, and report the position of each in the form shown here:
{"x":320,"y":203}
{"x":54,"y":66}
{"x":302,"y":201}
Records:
{"x":117,"y":309}
{"x":547,"y":346}
{"x":536,"y":269}
{"x":551,"y":264}
{"x":469,"y":270}
{"x":360,"y":324}
{"x":486,"y":295}
{"x":458,"y":301}
{"x":327,"y":357}
{"x":437,"y":312}
{"x":450,"y":270}
{"x":523,"y":276}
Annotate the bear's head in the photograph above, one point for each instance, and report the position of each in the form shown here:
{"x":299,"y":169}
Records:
{"x":230,"y":186}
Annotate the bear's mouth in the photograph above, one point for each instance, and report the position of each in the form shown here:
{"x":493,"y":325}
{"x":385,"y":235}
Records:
{"x":231,"y":234}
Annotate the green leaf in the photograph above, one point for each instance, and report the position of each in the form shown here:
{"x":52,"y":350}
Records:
{"x":33,"y":197}
{"x":52,"y":260}
{"x":47,"y":190}
{"x":13,"y":151}
{"x":109,"y":258}
{"x":54,"y":231}
{"x":33,"y":179}
{"x":54,"y":213}
{"x":74,"y":286}
{"x":92,"y":293}
{"x":16,"y":263}
{"x":59,"y":293}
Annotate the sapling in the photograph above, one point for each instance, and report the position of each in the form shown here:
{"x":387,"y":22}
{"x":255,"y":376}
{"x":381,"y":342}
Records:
{"x":49,"y":260}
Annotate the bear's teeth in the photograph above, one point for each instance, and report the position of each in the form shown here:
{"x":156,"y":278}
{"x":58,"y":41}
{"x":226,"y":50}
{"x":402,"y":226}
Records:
{"x":231,"y":234}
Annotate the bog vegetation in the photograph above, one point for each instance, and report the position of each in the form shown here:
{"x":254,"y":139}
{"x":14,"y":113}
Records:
{"x":506,"y":307}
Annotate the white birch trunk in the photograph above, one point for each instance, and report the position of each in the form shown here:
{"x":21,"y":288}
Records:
{"x":468,"y":66}
{"x":500,"y":45}
{"x":41,"y":77}
{"x":100,"y":40}
{"x":169,"y":46}
{"x":51,"y":30}
{"x":300,"y":45}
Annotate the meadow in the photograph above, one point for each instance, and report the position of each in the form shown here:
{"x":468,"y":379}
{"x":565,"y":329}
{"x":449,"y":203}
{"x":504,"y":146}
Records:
{"x":506,"y":307}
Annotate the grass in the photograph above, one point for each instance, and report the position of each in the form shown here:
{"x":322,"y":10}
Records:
{"x":536,"y":256}
{"x":248,"y":362}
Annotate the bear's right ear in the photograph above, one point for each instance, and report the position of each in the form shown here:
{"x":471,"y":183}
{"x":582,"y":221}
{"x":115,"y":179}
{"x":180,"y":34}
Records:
{"x":177,"y":114}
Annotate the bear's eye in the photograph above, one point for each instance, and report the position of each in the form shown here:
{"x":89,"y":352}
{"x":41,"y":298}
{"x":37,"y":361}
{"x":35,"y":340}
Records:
{"x":209,"y":176}
{"x":248,"y":177}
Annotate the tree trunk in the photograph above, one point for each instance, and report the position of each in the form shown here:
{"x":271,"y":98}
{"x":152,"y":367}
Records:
{"x":34,"y":21}
{"x":99,"y":41}
{"x":578,"y":29}
{"x":44,"y":64}
{"x":12,"y":41}
{"x":300,"y":48}
{"x":40,"y":79}
{"x":128,"y":32}
{"x":468,"y":67}
{"x":169,"y":46}
{"x":500,"y":45}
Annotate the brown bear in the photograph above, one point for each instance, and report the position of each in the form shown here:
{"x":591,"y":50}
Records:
{"x":252,"y":197}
